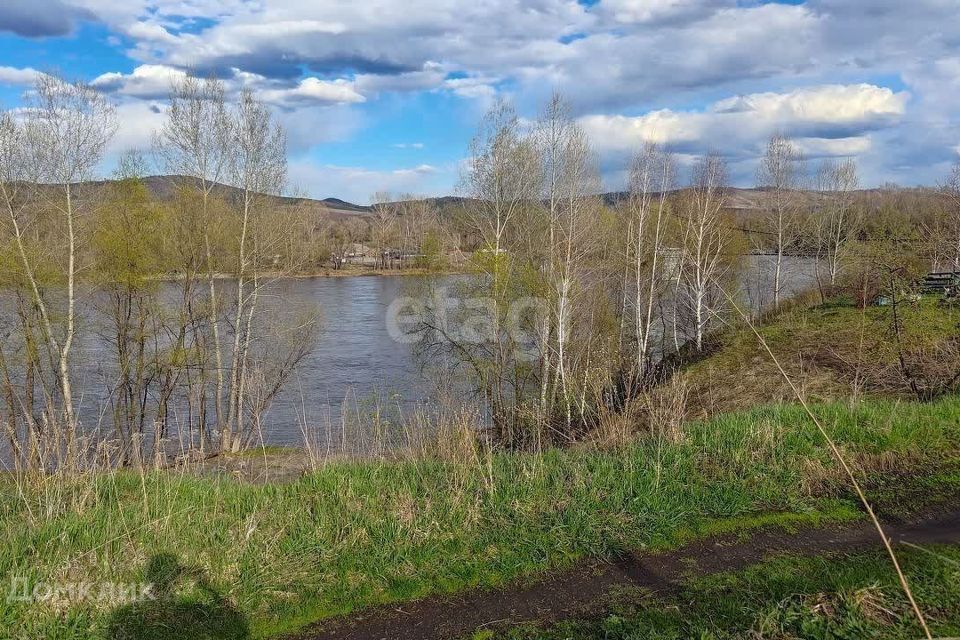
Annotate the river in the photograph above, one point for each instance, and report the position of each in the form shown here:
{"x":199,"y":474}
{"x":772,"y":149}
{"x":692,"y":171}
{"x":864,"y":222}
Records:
{"x":353,"y":362}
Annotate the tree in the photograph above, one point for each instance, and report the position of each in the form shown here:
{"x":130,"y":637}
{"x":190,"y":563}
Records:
{"x":780,"y":172}
{"x":836,"y":184}
{"x":651,"y":178}
{"x":195,"y":145}
{"x":501,"y":181}
{"x":383,"y":227}
{"x":127,"y":256}
{"x":569,"y":184}
{"x":704,"y":240}
{"x":951,"y":231}
{"x":65,"y":130}
{"x":257,"y":167}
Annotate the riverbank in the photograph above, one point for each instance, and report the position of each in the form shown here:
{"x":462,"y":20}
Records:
{"x":347,"y":271}
{"x":831,"y":351}
{"x":271,"y":557}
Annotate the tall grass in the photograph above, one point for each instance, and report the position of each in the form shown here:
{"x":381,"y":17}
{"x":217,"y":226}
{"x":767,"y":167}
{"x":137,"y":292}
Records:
{"x":354,"y":533}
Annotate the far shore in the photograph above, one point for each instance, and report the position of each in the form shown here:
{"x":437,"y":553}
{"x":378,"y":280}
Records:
{"x":346,"y":272}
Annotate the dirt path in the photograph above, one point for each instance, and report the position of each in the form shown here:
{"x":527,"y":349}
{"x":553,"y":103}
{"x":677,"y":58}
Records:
{"x":582,"y":589}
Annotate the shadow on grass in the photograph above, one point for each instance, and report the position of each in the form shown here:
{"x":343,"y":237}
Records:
{"x":185,"y":607}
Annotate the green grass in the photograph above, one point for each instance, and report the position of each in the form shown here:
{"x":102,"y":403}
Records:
{"x":849,"y":597}
{"x":268,"y":558}
{"x":827,"y":348}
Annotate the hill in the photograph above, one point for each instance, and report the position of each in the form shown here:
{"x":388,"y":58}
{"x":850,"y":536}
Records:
{"x":162,"y":188}
{"x":745,"y":203}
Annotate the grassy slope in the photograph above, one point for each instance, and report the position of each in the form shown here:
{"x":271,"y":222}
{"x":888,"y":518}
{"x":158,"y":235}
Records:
{"x":820,"y":346}
{"x":267,"y":558}
{"x":852,"y":597}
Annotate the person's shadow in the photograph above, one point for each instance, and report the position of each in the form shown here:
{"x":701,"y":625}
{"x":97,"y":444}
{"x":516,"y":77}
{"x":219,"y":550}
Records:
{"x":199,"y":614}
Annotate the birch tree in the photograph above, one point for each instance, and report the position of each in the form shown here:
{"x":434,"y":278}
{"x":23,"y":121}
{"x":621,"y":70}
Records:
{"x":68,"y":126}
{"x":194,"y":144}
{"x":651,"y":178}
{"x":780,"y":172}
{"x":705,"y":239}
{"x":257,"y":167}
{"x":17,"y":187}
{"x":836,"y":184}
{"x":569,"y":185}
{"x":501,"y":180}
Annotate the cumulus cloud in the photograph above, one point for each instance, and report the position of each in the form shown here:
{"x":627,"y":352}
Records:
{"x":652,"y":57}
{"x":829,"y":120}
{"x":149,"y":81}
{"x":137,"y":121}
{"x":378,"y":37}
{"x":658,"y":11}
{"x":15,"y":76}
{"x":314,"y":90}
{"x":832,"y":111}
{"x":429,"y":77}
{"x":149,"y":32}
{"x":154,"y":81}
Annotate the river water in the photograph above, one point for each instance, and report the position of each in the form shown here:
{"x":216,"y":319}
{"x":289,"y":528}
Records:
{"x":354,"y":361}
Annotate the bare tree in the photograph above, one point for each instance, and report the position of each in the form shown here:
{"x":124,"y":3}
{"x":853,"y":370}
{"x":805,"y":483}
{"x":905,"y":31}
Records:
{"x":951,"y":188}
{"x":195,"y":145}
{"x":651,"y":178}
{"x":780,"y":172}
{"x":68,"y":127}
{"x":837,"y":225}
{"x":17,"y":186}
{"x":257,"y":166}
{"x":570,"y":183}
{"x":705,"y":239}
{"x":501,"y":180}
{"x":383,"y":227}
{"x":501,"y":177}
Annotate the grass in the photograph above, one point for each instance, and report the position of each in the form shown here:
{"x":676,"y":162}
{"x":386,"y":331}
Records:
{"x":269,"y":558}
{"x":789,"y":597}
{"x":832,"y":350}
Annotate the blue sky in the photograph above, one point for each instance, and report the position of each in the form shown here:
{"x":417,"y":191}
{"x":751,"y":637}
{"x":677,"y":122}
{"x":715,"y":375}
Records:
{"x":384,"y":95}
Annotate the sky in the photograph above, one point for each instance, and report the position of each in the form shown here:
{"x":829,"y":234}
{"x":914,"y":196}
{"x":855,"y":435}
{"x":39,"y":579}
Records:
{"x":384,"y":95}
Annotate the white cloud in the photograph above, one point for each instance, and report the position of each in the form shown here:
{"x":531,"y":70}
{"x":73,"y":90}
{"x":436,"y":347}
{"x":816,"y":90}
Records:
{"x":153,"y":81}
{"x":654,"y":57}
{"x":429,"y":77}
{"x":476,"y":88}
{"x":832,"y":104}
{"x":653,"y":11}
{"x":741,"y":123}
{"x":149,"y":31}
{"x":148,"y":81}
{"x":314,"y":90}
{"x":358,"y":184}
{"x":834,"y":147}
{"x":18,"y":77}
{"x":137,"y":121}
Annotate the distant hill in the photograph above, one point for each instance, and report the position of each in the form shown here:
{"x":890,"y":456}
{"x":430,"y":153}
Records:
{"x":162,"y":188}
{"x":743,"y":202}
